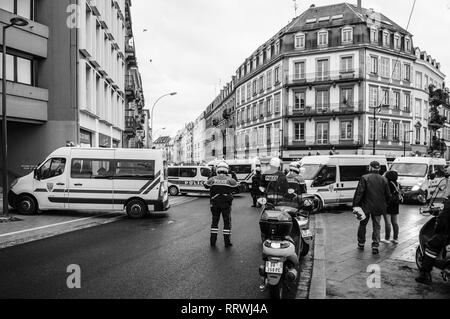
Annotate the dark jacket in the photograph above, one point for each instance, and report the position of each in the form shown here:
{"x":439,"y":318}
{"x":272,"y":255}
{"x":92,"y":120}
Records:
{"x":275,"y":182}
{"x":395,"y":189}
{"x":443,"y":220}
{"x":373,"y":194}
{"x":256,"y":183}
{"x":221,"y":188}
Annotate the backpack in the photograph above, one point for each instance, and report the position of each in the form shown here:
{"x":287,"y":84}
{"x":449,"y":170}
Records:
{"x":397,"y":194}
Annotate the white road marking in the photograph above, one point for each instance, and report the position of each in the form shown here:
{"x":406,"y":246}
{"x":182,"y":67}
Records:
{"x":55,"y":225}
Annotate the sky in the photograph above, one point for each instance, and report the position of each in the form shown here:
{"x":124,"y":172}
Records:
{"x":194,"y":47}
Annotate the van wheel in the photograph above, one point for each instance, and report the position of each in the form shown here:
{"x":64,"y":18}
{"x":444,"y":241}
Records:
{"x":27,"y":205}
{"x":173,"y":191}
{"x":136,"y":209}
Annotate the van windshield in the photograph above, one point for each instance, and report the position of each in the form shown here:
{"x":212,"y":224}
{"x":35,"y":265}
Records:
{"x":410,"y":169}
{"x":310,"y":171}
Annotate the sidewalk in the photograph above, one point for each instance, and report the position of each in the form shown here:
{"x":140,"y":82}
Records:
{"x":48,"y":224}
{"x":340,"y":270}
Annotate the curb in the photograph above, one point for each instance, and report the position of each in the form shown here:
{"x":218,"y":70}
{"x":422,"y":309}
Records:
{"x":318,"y":288}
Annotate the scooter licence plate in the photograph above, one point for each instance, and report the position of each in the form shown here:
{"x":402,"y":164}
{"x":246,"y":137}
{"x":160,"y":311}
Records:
{"x":307,"y":234}
{"x":274,"y":267}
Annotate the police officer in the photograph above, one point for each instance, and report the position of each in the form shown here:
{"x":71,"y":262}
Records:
{"x":296,"y":180}
{"x":274,"y":182}
{"x":256,"y":183}
{"x":222,"y":188}
{"x":435,"y":245}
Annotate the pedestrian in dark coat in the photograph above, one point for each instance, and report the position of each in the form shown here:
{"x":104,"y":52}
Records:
{"x":256,"y":183}
{"x":393,"y":208}
{"x":372,"y":195}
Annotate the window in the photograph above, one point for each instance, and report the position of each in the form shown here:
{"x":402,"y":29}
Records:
{"x":385,"y":131}
{"x":277,"y":47}
{"x":91,"y":169}
{"x":17,"y":69}
{"x":396,"y":132}
{"x":374,"y":65}
{"x":396,"y":70}
{"x":325,"y":177}
{"x":385,"y":96}
{"x":419,"y":84}
{"x":406,"y":130}
{"x":386,"y":39}
{"x":205,"y":172}
{"x":346,"y":130}
{"x":269,"y":134}
{"x":407,"y":74}
{"x":277,"y":75}
{"x":372,"y":128}
{"x":269,"y":106}
{"x":299,"y":70}
{"x":173,"y":172}
{"x":269,"y":79}
{"x":322,"y":133}
{"x":347,"y":35}
{"x":322,"y":38}
{"x":352,"y":173}
{"x":299,"y":100}
{"x":249,"y":91}
{"x":241,"y":169}
{"x":347,"y":96}
{"x":418,"y":135}
{"x":418,"y":108}
{"x":407,"y":101}
{"x":261,"y":83}
{"x":52,"y":168}
{"x":277,"y":102}
{"x":186,"y":172}
{"x":254,"y":112}
{"x":385,"y":68}
{"x":397,"y":43}
{"x":269,"y":53}
{"x":374,"y":35}
{"x":347,"y":64}
{"x":407,"y":44}
{"x":322,"y":100}
{"x":300,"y":41}
{"x":299,"y":131}
{"x":397,"y":100}
{"x":373,"y":96}
{"x":85,"y":138}
{"x":323,"y":70}
{"x":23,"y":8}
{"x":255,"y":87}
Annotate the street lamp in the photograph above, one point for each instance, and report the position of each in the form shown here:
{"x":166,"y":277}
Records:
{"x":18,"y":22}
{"x":153,"y":109}
{"x":404,"y":142}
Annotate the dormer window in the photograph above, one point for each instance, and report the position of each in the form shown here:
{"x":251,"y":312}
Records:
{"x":269,"y":53}
{"x":299,"y":41}
{"x":386,"y":39}
{"x":374,"y":35}
{"x":397,"y":43}
{"x":277,"y":47}
{"x":322,"y":38}
{"x":408,"y":44}
{"x":261,"y":58}
{"x":347,"y":35}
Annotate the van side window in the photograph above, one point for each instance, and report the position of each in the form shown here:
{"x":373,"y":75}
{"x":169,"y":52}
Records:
{"x":352,"y":173}
{"x":188,"y":172}
{"x":91,"y":169}
{"x":241,"y":169}
{"x":205,"y":172}
{"x":326,"y":176}
{"x":439,"y":170}
{"x":135,"y":169}
{"x":174,"y":172}
{"x":52,"y":168}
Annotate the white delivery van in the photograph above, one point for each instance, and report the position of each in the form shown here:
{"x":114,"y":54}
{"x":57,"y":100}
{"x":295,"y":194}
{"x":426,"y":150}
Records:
{"x":89,"y":179}
{"x":419,"y":176}
{"x":244,"y":170}
{"x":334,"y":179}
{"x":188,"y":179}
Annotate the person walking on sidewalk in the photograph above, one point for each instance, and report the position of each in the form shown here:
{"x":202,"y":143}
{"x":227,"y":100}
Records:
{"x":372,"y":195}
{"x":393,"y":208}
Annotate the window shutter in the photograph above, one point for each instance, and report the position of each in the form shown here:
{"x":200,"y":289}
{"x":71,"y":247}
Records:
{"x":402,"y":132}
{"x":391,"y":131}
{"x":380,"y":130}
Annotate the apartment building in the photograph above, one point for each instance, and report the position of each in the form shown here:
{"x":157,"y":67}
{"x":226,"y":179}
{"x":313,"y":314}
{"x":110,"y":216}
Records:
{"x":68,"y":87}
{"x":199,"y":138}
{"x":315,"y":86}
{"x":183,"y":148}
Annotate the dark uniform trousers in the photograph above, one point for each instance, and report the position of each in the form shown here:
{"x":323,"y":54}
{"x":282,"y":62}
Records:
{"x":225,"y":212}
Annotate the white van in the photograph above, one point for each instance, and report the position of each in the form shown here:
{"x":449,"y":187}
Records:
{"x":244,"y":170}
{"x":188,"y":179}
{"x":94,"y":179}
{"x":419,"y":176}
{"x":334,"y":179}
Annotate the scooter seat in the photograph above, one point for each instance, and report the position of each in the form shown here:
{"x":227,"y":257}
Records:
{"x":287,"y":209}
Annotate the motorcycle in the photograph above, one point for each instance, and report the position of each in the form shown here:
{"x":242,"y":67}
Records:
{"x":286,"y":239}
{"x":426,"y":233}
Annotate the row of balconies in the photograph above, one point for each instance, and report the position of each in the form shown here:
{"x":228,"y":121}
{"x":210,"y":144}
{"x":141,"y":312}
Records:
{"x":331,"y":77}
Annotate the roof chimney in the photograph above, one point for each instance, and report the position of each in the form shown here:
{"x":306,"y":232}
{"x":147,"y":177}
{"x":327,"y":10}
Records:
{"x":359,"y":4}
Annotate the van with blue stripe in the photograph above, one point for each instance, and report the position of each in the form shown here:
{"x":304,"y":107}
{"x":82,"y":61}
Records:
{"x":90,"y":179}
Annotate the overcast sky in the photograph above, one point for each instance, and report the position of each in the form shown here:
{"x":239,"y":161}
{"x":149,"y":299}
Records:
{"x":193,"y":47}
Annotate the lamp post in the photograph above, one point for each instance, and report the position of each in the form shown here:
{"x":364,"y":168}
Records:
{"x":404,"y":142}
{"x":18,"y":22}
{"x":153,"y":109}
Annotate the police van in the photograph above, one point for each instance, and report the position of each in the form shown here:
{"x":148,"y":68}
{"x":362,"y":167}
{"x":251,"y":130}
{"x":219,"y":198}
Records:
{"x":89,"y":179}
{"x":244,"y":170}
{"x":334,"y":179}
{"x":419,"y":176}
{"x":188,"y":179}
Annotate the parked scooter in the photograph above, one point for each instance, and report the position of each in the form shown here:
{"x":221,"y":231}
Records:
{"x":286,"y":238}
{"x":443,"y":261}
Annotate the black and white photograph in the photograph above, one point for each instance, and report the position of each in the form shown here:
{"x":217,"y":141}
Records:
{"x":226,"y":156}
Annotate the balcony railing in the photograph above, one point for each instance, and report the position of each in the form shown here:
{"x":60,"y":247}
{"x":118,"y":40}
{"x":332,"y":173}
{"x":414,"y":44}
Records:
{"x":330,"y":76}
{"x":327,"y":141}
{"x":333,"y":109}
